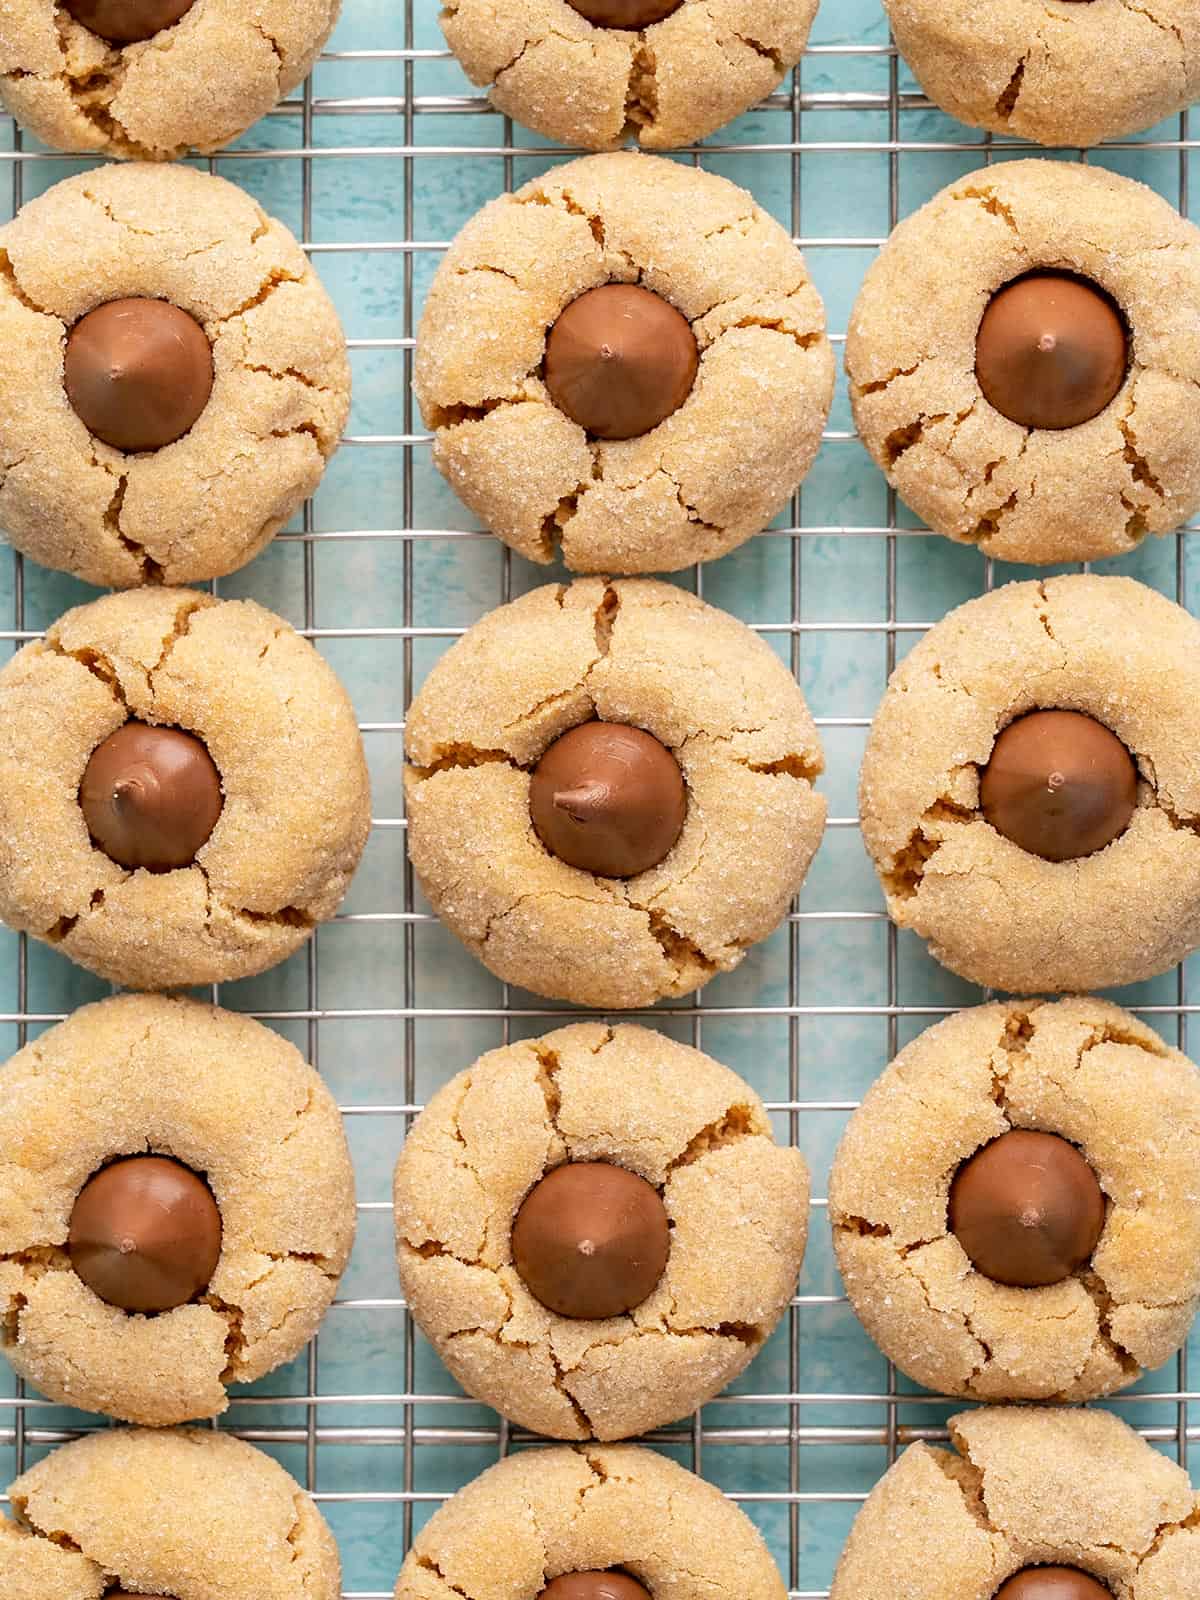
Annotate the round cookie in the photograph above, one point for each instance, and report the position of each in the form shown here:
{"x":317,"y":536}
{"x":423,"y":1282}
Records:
{"x":544,"y":1513}
{"x":992,"y":911}
{"x":630,"y":1101}
{"x":295,"y":794}
{"x":721,"y":464}
{"x":1070,"y":73}
{"x":1033,"y":493}
{"x":229,"y":1100}
{"x":632,"y":652}
{"x":1026,"y":1487}
{"x":589,"y":72}
{"x":193,"y":76}
{"x":207,"y":502}
{"x":191,"y":1514}
{"x":1118,"y":1100}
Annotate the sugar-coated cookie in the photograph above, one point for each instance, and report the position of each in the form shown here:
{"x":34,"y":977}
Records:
{"x":553,"y":1319}
{"x":1116,"y":1113}
{"x":151,"y":79}
{"x":723,"y":716}
{"x":544,"y":366}
{"x":1030,"y":791}
{"x":195,"y":1515}
{"x":217,"y":1095}
{"x":134,"y":294}
{"x":183,"y":791}
{"x":1024,"y":360}
{"x":544,"y":1513}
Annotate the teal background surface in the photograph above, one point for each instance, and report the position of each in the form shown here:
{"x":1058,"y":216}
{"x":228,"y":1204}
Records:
{"x":384,"y":569}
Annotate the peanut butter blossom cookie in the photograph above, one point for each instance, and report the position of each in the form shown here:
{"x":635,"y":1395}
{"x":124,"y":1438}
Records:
{"x":1014,"y":1206}
{"x":603,"y":1523}
{"x":164,"y":1516}
{"x":624,"y":364}
{"x":183,"y":793}
{"x":591,"y":72}
{"x":173,"y":377}
{"x":153,"y":78}
{"x":1074,"y":72}
{"x":1041,"y":401}
{"x":176,"y":1207}
{"x":610,"y":795}
{"x":597,"y":1230}
{"x":1031,"y":1503}
{"x":1030,"y":792}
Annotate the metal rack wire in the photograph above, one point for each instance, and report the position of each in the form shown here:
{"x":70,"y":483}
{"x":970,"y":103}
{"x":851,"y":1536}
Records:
{"x":884,"y":1418}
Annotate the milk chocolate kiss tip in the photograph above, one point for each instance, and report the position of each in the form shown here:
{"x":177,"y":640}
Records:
{"x":625,"y":13}
{"x":1027,"y":1209}
{"x":138,"y":373}
{"x":619,"y":360}
{"x":127,"y":21}
{"x":151,"y":796}
{"x":608,"y":798}
{"x":1051,"y":351}
{"x":145,"y":1234}
{"x":1059,"y":784}
{"x":591,"y":1241}
{"x":607,"y":1585}
{"x":1052,"y":1583}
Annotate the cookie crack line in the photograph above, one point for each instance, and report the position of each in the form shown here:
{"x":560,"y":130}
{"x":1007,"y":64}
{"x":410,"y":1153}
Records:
{"x":1006,"y":104}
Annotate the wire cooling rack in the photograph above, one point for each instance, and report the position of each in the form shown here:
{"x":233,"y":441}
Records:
{"x":376,"y":164}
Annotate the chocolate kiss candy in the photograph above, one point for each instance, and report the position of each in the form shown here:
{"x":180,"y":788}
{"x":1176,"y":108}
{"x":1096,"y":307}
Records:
{"x":127,"y":21}
{"x":625,"y":13}
{"x":138,"y":373}
{"x":1059,"y":784}
{"x":150,"y":796}
{"x":1052,"y":1583}
{"x":591,"y":1241}
{"x":145,"y":1234}
{"x":594,"y":1586}
{"x":1027,"y":1209}
{"x":620,"y":359}
{"x":1051,"y":351}
{"x":608,"y":798}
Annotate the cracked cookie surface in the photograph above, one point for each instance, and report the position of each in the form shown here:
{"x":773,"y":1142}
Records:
{"x":548,"y":67}
{"x":554,"y":1510}
{"x":995,"y":914}
{"x":196,"y":85}
{"x":737,"y":1204}
{"x":1026,"y":1486}
{"x":207,"y":504}
{"x":283,"y":735}
{"x":194,"y":1514}
{"x":1020,"y":494}
{"x":1058,"y":73}
{"x":716,"y":470}
{"x":229,"y":1099}
{"x":1079,"y":1068}
{"x":706,"y":687}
